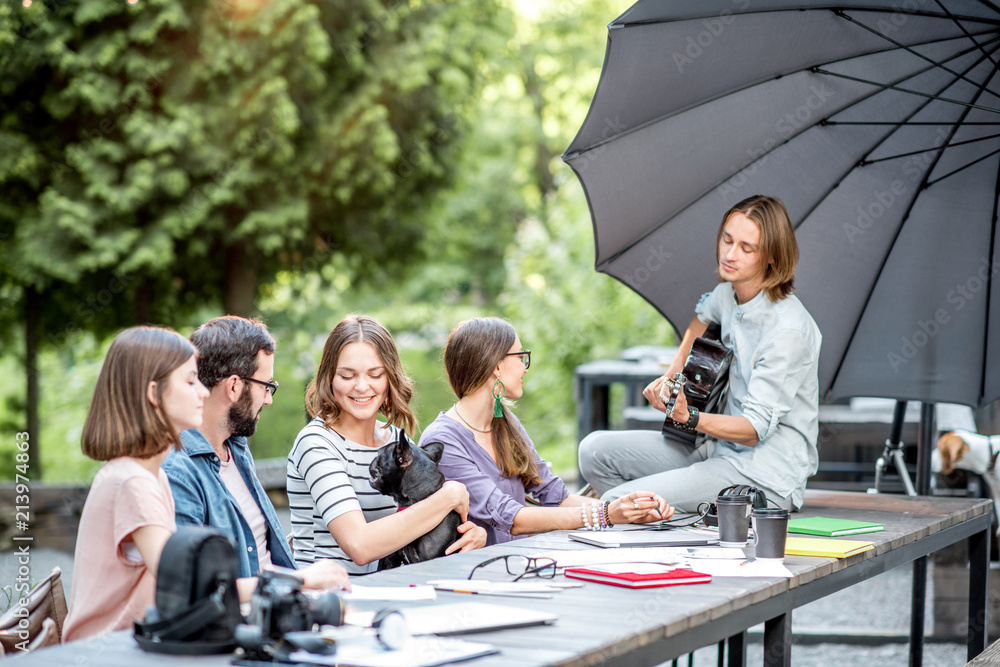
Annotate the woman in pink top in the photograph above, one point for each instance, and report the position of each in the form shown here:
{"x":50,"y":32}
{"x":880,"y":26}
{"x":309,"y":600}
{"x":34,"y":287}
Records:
{"x":147,"y":393}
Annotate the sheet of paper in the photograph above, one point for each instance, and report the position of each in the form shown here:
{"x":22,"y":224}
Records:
{"x":716,"y":552}
{"x":739,"y":568}
{"x":419,"y":652}
{"x":390,"y":593}
{"x":534,"y":585}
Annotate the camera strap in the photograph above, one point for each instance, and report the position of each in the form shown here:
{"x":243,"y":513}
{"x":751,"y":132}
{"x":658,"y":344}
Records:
{"x":183,"y":625}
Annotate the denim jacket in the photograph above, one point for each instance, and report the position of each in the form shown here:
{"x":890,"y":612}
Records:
{"x":201,"y":498}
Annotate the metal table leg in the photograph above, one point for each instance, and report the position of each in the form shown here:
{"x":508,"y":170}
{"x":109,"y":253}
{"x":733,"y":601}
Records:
{"x":979,"y":571}
{"x":738,"y":650}
{"x":778,"y":641}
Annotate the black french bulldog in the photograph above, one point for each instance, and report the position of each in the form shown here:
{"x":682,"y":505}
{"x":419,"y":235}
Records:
{"x":409,"y":474}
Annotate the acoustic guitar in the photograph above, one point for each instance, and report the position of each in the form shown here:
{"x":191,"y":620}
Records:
{"x":704,"y":380}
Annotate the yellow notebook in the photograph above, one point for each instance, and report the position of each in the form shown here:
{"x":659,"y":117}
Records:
{"x":808,"y":546}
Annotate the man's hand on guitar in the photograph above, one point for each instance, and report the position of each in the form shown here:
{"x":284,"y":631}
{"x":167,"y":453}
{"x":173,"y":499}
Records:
{"x":681,"y":414}
{"x":652,"y":392}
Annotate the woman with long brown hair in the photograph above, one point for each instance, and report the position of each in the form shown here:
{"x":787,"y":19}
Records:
{"x":147,"y":393}
{"x":488,"y":450}
{"x":335,"y":511}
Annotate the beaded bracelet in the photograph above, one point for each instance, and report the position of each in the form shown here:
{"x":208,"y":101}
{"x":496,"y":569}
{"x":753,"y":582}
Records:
{"x":583,"y":515}
{"x":594,"y":513}
{"x":607,"y":514}
{"x":600,"y":515}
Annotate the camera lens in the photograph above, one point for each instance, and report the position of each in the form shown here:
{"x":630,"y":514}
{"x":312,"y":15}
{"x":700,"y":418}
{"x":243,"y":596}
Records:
{"x":327,"y":609}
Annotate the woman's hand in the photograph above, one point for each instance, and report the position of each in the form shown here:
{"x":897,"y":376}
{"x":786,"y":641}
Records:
{"x":473,"y":537}
{"x":324,"y":574}
{"x":639,"y":507}
{"x":458,"y":496}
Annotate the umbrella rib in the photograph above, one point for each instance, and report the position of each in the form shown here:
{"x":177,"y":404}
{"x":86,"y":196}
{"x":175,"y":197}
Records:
{"x":913,"y":113}
{"x":964,"y":30}
{"x":901,"y":123}
{"x":601,"y":266}
{"x":896,"y":124}
{"x":925,"y":150}
{"x":990,"y":5}
{"x":962,"y":168}
{"x":902,"y":220}
{"x":567,"y":156}
{"x":989,"y":283}
{"x":923,"y":13}
{"x":906,"y":48}
{"x":887,"y":86}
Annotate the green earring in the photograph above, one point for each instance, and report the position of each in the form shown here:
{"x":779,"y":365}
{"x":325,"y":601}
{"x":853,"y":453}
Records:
{"x":497,"y":395}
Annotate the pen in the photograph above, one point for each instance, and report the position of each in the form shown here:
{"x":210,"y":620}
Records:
{"x":508,"y":595}
{"x":652,"y":499}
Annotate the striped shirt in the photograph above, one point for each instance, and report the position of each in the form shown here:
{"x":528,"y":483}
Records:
{"x":328,"y":477}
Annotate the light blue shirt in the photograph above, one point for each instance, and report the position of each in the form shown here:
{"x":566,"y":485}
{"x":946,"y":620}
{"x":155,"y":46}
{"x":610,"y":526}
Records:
{"x":774,"y":383}
{"x":202,"y":499}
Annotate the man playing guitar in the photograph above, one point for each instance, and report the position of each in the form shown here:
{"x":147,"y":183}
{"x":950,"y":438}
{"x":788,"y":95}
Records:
{"x":765,"y":433}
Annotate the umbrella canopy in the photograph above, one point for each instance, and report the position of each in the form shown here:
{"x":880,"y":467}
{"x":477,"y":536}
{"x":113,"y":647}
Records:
{"x":877,"y":123}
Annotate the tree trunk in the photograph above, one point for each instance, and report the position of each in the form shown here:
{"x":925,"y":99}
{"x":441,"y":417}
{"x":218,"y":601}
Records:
{"x":31,"y":308}
{"x":544,"y":179}
{"x":142,"y":300}
{"x":240,"y":289}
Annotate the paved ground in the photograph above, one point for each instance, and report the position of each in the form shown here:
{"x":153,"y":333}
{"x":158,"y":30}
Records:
{"x":879,"y":605}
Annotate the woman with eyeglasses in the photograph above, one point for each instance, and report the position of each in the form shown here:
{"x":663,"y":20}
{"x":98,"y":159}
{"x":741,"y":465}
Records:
{"x":335,"y":511}
{"x":488,"y":450}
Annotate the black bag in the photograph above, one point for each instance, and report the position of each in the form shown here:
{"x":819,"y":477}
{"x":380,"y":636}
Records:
{"x":197,"y":604}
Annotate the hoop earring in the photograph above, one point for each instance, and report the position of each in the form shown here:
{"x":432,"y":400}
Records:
{"x":497,"y":395}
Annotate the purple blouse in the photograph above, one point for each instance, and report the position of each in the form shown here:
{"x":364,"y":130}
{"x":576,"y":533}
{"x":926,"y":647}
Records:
{"x":493,"y":498}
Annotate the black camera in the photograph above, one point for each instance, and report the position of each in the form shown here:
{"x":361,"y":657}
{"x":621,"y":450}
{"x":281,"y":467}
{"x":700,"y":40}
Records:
{"x":278,"y":606}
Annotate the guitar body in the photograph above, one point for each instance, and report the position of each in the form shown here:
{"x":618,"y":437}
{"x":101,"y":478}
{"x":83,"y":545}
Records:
{"x":707,"y":372}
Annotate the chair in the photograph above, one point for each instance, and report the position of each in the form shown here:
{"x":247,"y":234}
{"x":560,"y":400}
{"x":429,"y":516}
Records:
{"x":46,"y":613}
{"x":49,"y":636}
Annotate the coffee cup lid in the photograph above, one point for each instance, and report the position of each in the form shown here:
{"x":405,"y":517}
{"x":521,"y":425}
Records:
{"x":771,"y":512}
{"x":733,"y":499}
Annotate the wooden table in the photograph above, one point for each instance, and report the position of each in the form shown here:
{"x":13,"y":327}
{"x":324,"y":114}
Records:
{"x":607,"y":625}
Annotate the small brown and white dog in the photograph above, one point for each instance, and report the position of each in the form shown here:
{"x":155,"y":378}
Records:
{"x":964,"y":450}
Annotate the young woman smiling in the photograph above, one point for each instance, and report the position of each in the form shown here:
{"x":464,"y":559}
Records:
{"x":335,"y":511}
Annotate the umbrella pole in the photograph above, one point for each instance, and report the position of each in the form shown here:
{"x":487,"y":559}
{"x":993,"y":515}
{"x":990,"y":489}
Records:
{"x":925,"y":438}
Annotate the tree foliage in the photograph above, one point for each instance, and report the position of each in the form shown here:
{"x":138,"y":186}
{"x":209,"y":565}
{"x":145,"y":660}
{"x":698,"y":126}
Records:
{"x":197,"y":147}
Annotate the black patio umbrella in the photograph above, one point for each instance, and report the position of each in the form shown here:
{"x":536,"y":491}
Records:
{"x":876,"y":122}
{"x":878,"y":125}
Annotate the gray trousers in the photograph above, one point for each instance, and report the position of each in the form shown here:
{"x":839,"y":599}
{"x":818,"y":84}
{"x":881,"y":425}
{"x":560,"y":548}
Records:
{"x":619,"y":462}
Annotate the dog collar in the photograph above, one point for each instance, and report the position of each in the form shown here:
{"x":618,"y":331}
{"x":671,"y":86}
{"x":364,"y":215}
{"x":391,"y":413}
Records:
{"x":400,"y":509}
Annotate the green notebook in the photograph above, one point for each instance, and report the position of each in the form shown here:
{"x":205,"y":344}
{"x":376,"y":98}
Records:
{"x":820,"y":525}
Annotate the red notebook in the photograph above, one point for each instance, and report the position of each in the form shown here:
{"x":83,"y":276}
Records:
{"x":638,"y":575}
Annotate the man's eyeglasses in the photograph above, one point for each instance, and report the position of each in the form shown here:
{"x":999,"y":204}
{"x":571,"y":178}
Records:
{"x":525,"y":357}
{"x":522,"y":566}
{"x":269,"y":387}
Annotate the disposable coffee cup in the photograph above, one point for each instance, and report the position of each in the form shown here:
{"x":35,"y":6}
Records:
{"x":734,"y":519}
{"x":770,"y":528}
